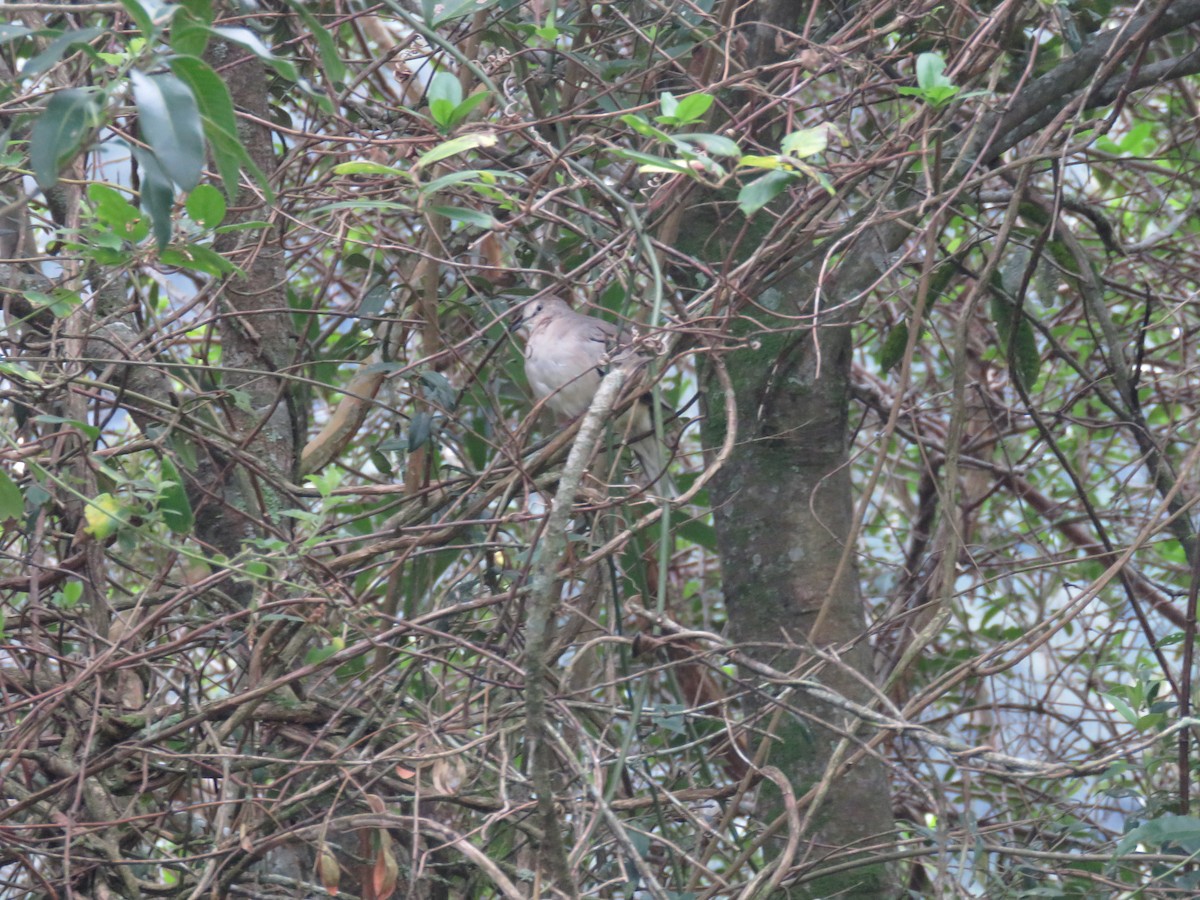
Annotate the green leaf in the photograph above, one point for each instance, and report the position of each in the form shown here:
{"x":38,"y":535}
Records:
{"x":10,"y":32}
{"x":806,"y":142}
{"x":173,"y":500}
{"x":318,"y":655}
{"x":189,"y":33}
{"x":441,"y":111}
{"x":375,"y":300}
{"x":716,"y":144}
{"x":655,"y":163}
{"x":487,"y":176}
{"x":1181,"y":831}
{"x":70,"y":595}
{"x":466,"y":216}
{"x":12,"y":501}
{"x":440,"y":391}
{"x":894,"y":345}
{"x":169,"y":119}
{"x":455,"y":146}
{"x":158,"y":195}
{"x":668,"y":104}
{"x":201,"y":9}
{"x":91,"y":432}
{"x":206,"y":206}
{"x":58,"y":133}
{"x":419,"y":430}
{"x":17,"y":370}
{"x":220,"y":123}
{"x":762,"y":190}
{"x":197,"y":258}
{"x":1122,"y":707}
{"x":335,"y":69}
{"x":1019,"y":342}
{"x":116,"y":212}
{"x":445,"y":86}
{"x":368,"y":168}
{"x":142,"y":16}
{"x":762,"y":162}
{"x":55,"y":50}
{"x":700,"y":533}
{"x":644,"y":128}
{"x":382,"y":463}
{"x":251,"y":41}
{"x":693,"y":107}
{"x":61,"y":302}
{"x":439,"y":12}
{"x":930,"y":71}
{"x":465,"y":108}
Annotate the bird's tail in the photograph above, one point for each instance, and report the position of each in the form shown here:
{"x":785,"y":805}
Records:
{"x":653,"y":457}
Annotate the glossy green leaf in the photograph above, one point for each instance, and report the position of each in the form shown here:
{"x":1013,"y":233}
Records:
{"x":61,"y":302}
{"x":220,"y":123}
{"x":438,"y":13}
{"x":246,"y":38}
{"x":21,"y":371}
{"x":91,"y":432}
{"x":158,"y":195}
{"x":419,"y":431}
{"x":201,"y":9}
{"x":693,"y":107}
{"x":58,"y":133}
{"x":644,"y":128}
{"x":445,"y":86}
{"x":169,"y":119}
{"x":197,"y":258}
{"x":486,"y":176}
{"x":931,"y":71}
{"x":206,"y":206}
{"x":1180,"y":831}
{"x":189,"y":33}
{"x":716,"y":144}
{"x":116,"y":212}
{"x":894,"y":345}
{"x":654,"y":163}
{"x":762,"y":190}
{"x":10,"y":32}
{"x":459,"y":114}
{"x":173,"y":500}
{"x":12,"y":501}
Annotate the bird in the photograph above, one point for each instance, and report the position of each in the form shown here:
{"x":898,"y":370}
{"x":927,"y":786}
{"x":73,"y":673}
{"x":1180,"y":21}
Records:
{"x":565,"y":357}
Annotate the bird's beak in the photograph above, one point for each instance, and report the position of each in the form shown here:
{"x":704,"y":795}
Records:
{"x":515,"y":325}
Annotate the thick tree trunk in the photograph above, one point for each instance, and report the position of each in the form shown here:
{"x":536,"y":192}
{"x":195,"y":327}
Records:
{"x":784,"y":509}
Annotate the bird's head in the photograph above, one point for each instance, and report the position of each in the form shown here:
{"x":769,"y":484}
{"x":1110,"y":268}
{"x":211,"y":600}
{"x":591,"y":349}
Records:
{"x":534,"y":310}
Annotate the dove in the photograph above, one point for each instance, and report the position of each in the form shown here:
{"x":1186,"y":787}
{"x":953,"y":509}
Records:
{"x":565,"y":357}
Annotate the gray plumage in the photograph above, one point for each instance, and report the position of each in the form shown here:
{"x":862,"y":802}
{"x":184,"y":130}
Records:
{"x":565,"y":355}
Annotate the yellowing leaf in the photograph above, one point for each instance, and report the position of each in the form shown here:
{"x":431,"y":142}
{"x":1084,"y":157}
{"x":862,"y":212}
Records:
{"x":103,"y":515}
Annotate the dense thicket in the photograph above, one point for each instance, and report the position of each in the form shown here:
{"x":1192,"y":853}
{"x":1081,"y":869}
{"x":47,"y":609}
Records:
{"x":300,"y":593}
